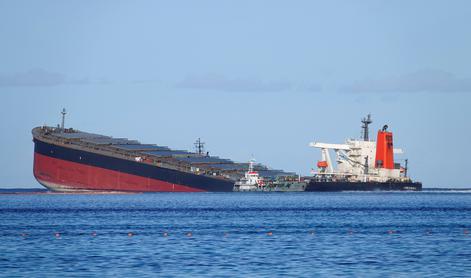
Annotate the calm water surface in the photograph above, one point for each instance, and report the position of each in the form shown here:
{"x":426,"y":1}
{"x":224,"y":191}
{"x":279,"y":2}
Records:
{"x":236,"y":234}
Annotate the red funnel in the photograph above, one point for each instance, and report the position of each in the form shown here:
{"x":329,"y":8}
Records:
{"x":384,"y":150}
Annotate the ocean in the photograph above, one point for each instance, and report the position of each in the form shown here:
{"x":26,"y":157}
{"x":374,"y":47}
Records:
{"x":301,"y":234}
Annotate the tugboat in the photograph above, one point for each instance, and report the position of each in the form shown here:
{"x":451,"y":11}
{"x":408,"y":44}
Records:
{"x":362,"y":165}
{"x":251,"y":181}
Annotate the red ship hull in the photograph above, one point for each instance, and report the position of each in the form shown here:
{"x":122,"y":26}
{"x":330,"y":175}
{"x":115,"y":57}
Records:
{"x":61,"y":168}
{"x":61,"y":175}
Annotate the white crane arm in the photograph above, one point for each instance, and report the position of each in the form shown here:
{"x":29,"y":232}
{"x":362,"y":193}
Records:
{"x":329,"y":146}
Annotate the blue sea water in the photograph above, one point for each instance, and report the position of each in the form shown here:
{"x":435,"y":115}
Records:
{"x":236,"y":234}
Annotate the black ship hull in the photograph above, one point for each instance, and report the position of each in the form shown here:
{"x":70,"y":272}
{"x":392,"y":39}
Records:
{"x":331,"y":186}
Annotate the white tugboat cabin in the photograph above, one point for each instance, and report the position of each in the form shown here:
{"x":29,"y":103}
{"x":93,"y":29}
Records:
{"x":252,"y":181}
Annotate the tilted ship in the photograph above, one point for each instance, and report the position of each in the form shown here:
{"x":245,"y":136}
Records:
{"x":67,"y":159}
{"x":362,"y":165}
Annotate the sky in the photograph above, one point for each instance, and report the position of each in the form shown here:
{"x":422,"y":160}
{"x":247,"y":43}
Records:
{"x":251,"y":78}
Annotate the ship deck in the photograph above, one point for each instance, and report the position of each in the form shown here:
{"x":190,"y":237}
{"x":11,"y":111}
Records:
{"x":157,"y":155}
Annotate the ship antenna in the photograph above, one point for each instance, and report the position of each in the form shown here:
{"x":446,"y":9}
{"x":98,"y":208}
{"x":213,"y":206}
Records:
{"x":63,"y":112}
{"x":406,"y":168}
{"x":251,"y":163}
{"x":364,"y":127}
{"x":199,"y":146}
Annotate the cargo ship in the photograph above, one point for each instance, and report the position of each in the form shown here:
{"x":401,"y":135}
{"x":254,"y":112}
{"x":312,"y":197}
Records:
{"x":362,"y":165}
{"x":66,"y":159}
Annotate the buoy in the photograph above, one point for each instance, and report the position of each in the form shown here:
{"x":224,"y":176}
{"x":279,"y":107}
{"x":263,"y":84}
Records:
{"x":466,"y":231}
{"x":189,"y":234}
{"x":312,"y":233}
{"x":57,"y":234}
{"x":350,"y":232}
{"x":165,"y":234}
{"x":130,"y":234}
{"x":24,"y":234}
{"x":269,"y":234}
{"x":93,"y":233}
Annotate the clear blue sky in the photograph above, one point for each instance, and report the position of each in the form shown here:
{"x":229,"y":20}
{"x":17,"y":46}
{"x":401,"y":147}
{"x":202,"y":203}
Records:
{"x":248,"y":77}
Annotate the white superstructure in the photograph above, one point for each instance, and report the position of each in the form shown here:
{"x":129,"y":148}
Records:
{"x":252,"y":181}
{"x":360,"y":160}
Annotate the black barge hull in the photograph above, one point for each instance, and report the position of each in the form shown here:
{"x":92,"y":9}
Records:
{"x":332,"y":186}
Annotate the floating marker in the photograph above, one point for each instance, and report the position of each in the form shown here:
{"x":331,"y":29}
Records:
{"x":93,"y":233}
{"x":189,"y":234}
{"x":56,"y":234}
{"x":165,"y":234}
{"x":130,"y":234}
{"x":269,"y":234}
{"x":312,"y":233}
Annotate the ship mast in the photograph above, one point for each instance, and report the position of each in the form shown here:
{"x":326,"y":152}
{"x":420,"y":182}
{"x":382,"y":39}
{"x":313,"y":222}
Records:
{"x":63,"y":112}
{"x":405,"y":167}
{"x":251,"y":163}
{"x":199,"y":146}
{"x":364,"y":128}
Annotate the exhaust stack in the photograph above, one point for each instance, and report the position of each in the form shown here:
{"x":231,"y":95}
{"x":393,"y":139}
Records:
{"x":384,"y":149}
